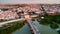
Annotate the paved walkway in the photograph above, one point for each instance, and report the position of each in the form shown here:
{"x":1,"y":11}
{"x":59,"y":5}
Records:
{"x":11,"y":21}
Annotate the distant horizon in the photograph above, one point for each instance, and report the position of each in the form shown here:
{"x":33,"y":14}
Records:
{"x":29,"y":1}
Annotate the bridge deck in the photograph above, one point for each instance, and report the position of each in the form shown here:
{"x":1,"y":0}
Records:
{"x":33,"y":27}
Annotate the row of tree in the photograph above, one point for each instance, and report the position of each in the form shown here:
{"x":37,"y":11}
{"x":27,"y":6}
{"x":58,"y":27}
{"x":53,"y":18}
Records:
{"x":53,"y":20}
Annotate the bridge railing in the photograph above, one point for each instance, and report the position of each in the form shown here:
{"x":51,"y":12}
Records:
{"x":33,"y":27}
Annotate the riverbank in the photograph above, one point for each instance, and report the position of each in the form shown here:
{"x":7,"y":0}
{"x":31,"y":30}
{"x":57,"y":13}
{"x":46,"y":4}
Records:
{"x":11,"y":27}
{"x":24,"y":30}
{"x":44,"y":29}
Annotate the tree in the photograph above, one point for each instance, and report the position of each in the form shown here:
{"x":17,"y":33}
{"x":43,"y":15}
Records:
{"x":54,"y":26}
{"x":45,"y":21}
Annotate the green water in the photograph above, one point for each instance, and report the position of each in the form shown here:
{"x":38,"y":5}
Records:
{"x":43,"y":29}
{"x":24,"y":30}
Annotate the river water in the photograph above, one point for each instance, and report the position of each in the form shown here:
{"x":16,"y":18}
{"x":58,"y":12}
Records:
{"x":24,"y":30}
{"x":43,"y":29}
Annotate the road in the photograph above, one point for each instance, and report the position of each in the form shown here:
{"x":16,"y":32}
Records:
{"x":33,"y":27}
{"x":28,"y":20}
{"x":2,"y":23}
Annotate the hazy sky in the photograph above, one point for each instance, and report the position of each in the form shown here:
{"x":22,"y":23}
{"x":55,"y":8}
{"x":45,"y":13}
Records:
{"x":29,"y":1}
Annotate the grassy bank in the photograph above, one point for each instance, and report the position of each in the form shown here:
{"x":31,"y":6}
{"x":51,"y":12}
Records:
{"x":11,"y":27}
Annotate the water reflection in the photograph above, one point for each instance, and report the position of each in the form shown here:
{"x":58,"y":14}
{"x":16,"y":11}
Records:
{"x":24,"y":30}
{"x":44,"y":29}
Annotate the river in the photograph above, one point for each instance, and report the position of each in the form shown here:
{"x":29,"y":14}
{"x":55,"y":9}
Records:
{"x":43,"y":29}
{"x":24,"y":30}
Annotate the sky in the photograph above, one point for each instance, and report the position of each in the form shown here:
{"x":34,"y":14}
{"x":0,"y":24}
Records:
{"x":30,"y":1}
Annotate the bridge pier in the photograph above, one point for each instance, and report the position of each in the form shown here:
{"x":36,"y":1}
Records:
{"x":31,"y":25}
{"x":33,"y":29}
